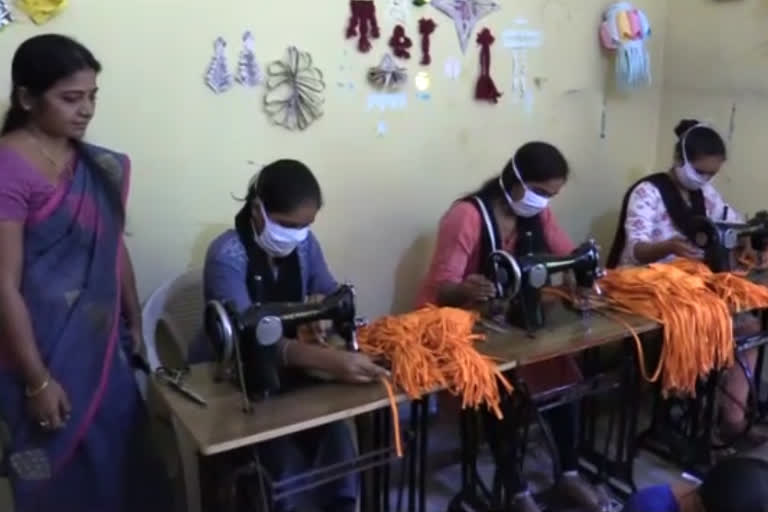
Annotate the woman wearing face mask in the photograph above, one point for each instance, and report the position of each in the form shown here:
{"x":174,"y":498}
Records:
{"x":499,"y":214}
{"x":272,"y":240}
{"x":653,"y":227}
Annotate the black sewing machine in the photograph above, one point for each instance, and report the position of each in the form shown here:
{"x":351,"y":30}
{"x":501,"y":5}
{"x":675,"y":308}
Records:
{"x":719,"y":239}
{"x":519,"y":281}
{"x":246,"y":343}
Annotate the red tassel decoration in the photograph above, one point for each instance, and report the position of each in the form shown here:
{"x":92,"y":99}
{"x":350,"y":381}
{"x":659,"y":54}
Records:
{"x":426,"y":27}
{"x":400,"y":43}
{"x":363,"y":18}
{"x":486,"y":90}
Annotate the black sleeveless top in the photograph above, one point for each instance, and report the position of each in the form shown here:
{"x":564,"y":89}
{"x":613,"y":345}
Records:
{"x":680,"y":212}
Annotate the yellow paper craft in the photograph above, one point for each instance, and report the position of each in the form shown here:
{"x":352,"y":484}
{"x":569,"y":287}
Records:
{"x":40,"y":11}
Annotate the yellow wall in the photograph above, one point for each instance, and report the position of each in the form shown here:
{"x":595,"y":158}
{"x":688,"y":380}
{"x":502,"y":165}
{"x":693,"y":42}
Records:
{"x":715,"y":61}
{"x":192,"y":149}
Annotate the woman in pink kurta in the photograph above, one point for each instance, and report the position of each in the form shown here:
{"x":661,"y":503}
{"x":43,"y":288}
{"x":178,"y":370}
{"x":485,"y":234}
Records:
{"x":507,"y":206}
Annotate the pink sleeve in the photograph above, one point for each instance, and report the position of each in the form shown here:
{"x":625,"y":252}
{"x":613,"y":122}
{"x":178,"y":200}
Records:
{"x":557,"y":239}
{"x":14,"y":193}
{"x":457,"y":239}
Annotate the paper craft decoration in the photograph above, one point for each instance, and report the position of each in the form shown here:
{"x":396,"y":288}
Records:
{"x":452,"y":68}
{"x":218,"y":77}
{"x":466,"y":14}
{"x":486,"y":90}
{"x":387,"y":75}
{"x":40,"y":11}
{"x":387,"y":101}
{"x":426,"y":27}
{"x":363,"y":22}
{"x":398,"y":11}
{"x":5,"y":14}
{"x":248,"y":70}
{"x":400,"y":43}
{"x":624,"y":31}
{"x":294,"y":91}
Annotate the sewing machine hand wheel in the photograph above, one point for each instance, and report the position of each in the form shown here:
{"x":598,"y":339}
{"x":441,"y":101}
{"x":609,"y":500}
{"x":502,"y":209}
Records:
{"x":505,"y":274}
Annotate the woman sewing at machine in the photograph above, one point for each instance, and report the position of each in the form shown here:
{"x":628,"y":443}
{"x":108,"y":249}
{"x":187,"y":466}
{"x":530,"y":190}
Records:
{"x":506,"y":208}
{"x":271,"y":239}
{"x":653,"y":228}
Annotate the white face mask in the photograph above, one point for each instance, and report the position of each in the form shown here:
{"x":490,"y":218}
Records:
{"x":276,"y":240}
{"x":531,"y":204}
{"x":688,"y":176}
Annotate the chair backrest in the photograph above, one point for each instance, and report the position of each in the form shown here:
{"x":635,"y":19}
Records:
{"x":172,"y":320}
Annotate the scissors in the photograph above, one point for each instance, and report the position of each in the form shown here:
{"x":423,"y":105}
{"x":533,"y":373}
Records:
{"x":175,"y":380}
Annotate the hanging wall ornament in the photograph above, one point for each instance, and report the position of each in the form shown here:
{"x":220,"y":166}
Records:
{"x":466,"y":14}
{"x":426,"y":27}
{"x":248,"y":70}
{"x":624,"y":31}
{"x":400,"y":43}
{"x":218,"y":77}
{"x":294,"y":91}
{"x":398,"y":11}
{"x":387,"y":75}
{"x":40,"y":11}
{"x":485,"y":89}
{"x":5,"y":14}
{"x":363,"y":23}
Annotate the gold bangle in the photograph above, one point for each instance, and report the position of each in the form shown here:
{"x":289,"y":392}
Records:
{"x":31,"y":393}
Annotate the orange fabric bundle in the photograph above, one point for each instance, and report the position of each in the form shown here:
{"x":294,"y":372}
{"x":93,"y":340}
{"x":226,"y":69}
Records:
{"x":698,"y":327}
{"x":434,"y":348}
{"x":739,"y":293}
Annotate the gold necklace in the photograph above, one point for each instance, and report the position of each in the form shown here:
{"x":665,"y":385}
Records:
{"x":53,"y":161}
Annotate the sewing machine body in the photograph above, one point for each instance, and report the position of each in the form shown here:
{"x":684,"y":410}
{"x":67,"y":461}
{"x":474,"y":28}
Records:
{"x":720,"y":239}
{"x":246,"y":343}
{"x":520,"y":281}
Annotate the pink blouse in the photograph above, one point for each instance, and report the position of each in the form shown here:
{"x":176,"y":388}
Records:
{"x":457,"y":253}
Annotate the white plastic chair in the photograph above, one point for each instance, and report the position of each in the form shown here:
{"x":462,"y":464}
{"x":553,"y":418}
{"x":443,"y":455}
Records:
{"x":173,"y":319}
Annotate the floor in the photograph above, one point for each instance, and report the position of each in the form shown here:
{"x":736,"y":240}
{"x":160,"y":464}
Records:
{"x":444,"y":475}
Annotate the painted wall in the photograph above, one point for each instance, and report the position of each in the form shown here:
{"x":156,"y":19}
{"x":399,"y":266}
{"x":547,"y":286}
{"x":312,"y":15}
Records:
{"x":716,"y":70}
{"x":192,"y":150}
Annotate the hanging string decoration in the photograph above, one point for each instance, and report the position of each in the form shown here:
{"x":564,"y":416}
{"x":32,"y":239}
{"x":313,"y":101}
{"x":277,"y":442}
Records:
{"x":387,"y":75}
{"x":248,"y":71}
{"x":295,"y":86}
{"x":485,"y":89}
{"x":466,"y":14}
{"x":623,"y":32}
{"x":218,"y":77}
{"x":363,"y":23}
{"x":426,"y":27}
{"x":41,"y":11}
{"x":400,"y":43}
{"x":5,"y":14}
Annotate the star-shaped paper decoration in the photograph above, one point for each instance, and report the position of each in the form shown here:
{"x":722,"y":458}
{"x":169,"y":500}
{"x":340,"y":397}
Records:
{"x":466,"y":14}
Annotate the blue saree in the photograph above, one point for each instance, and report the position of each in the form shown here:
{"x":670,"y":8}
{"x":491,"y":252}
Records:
{"x":71,"y":285}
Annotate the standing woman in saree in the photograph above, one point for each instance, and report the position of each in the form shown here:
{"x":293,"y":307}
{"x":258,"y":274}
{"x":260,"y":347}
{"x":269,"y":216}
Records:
{"x":69,"y":311}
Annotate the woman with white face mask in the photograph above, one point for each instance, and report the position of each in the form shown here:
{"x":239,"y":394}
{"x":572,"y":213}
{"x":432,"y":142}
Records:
{"x":272,"y":240}
{"x":657,"y":209}
{"x":653,"y":227}
{"x":500,"y":215}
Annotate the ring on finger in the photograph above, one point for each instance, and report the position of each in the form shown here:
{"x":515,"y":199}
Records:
{"x":44,"y":423}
